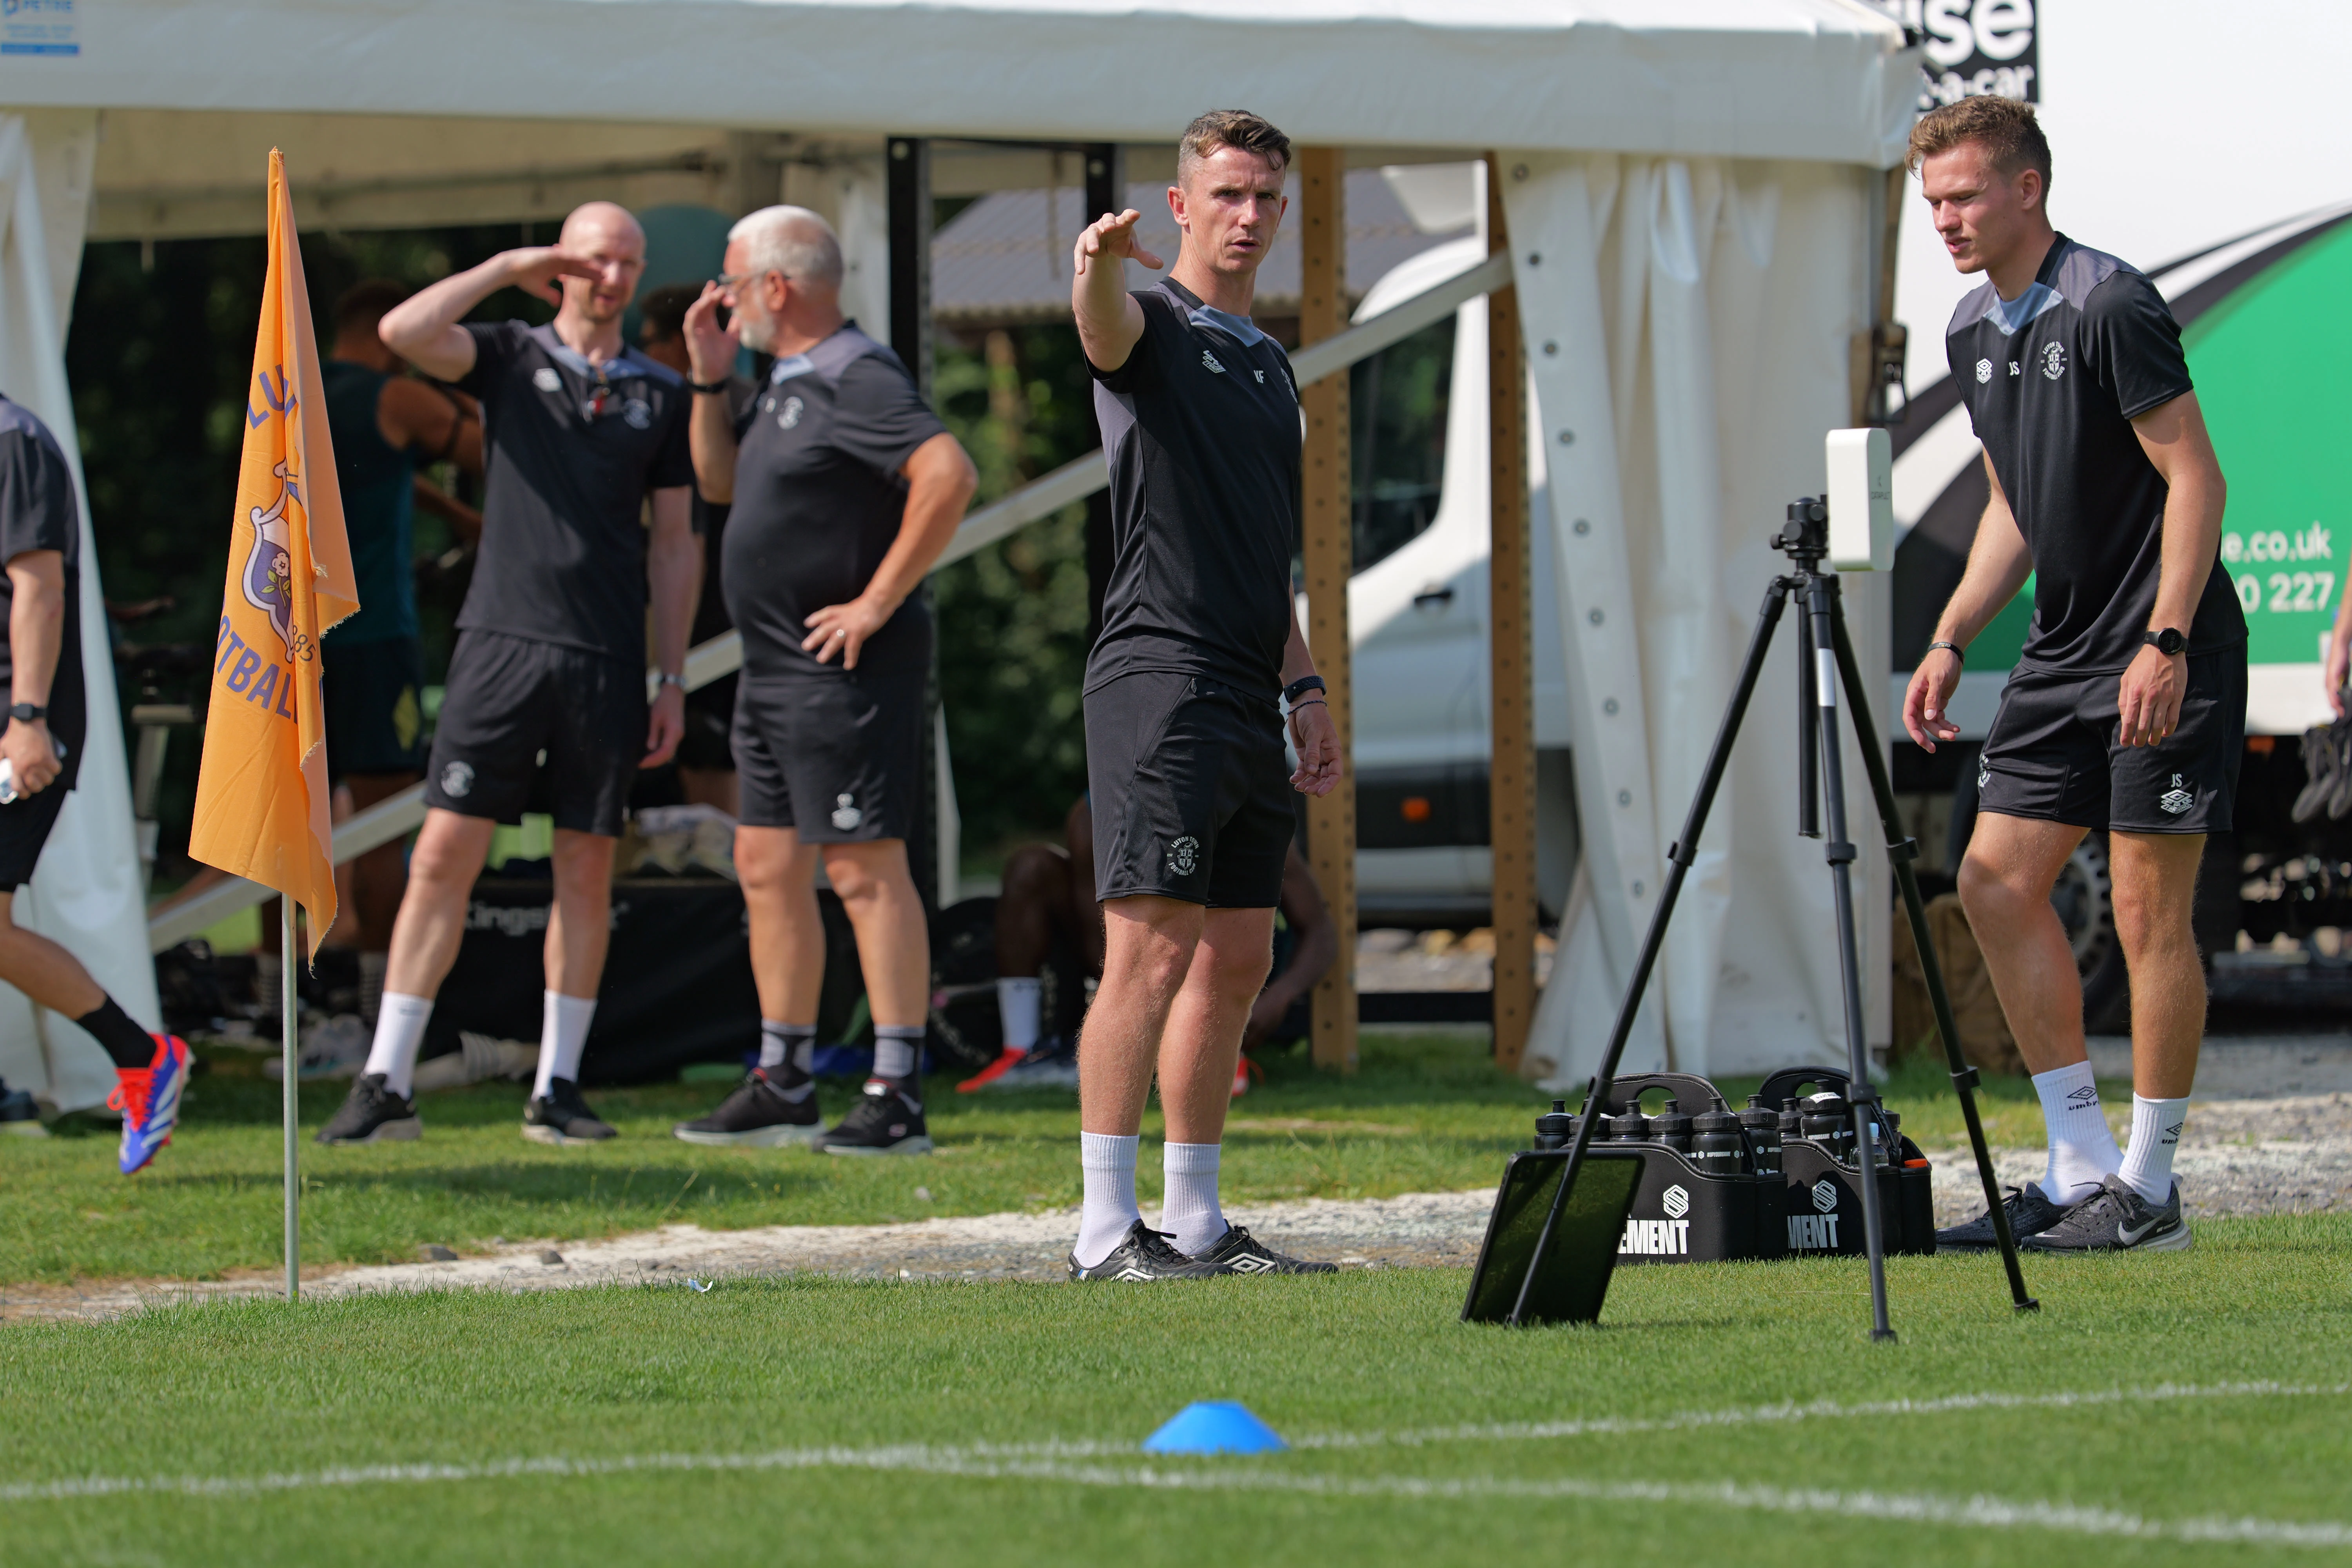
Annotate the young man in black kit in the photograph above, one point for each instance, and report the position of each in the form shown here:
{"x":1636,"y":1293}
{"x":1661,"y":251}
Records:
{"x":551,"y":656}
{"x":1185,"y":691}
{"x":2127,"y":708}
{"x":842,"y":486}
{"x":40,"y":665}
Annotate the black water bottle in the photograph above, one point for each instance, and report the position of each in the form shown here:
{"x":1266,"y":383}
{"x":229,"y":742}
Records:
{"x":1716,"y":1147}
{"x":1556,"y":1129}
{"x":1632,"y":1127}
{"x":1828,"y":1124}
{"x":1672,"y":1128}
{"x":1792,"y":1131}
{"x":1763,"y":1125}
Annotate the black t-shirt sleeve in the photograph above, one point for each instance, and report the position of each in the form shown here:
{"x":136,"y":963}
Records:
{"x":879,"y":417}
{"x":1142,"y":361}
{"x":36,"y":505}
{"x":673,"y":463}
{"x":2132,"y":344}
{"x":494,"y":349}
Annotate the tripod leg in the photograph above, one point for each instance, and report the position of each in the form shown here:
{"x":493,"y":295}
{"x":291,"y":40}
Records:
{"x":1819,"y":595}
{"x":1679,"y":857}
{"x":1902,"y":851}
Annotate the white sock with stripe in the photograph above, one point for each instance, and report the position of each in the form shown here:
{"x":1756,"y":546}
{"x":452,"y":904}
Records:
{"x":2082,"y":1152}
{"x":2155,"y":1135}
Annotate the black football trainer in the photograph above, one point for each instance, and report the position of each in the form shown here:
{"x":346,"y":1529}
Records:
{"x":758,"y":1115}
{"x":884,"y":1121}
{"x":372,"y":1113}
{"x":2117,"y":1219}
{"x":2031,"y":1212}
{"x":1142,"y":1255}
{"x":1238,"y":1252}
{"x":561,"y":1116}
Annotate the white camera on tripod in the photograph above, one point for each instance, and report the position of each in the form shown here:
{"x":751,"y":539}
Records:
{"x":1862,"y":500}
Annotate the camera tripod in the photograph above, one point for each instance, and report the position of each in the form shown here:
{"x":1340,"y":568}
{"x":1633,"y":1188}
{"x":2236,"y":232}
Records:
{"x":1825,"y":659}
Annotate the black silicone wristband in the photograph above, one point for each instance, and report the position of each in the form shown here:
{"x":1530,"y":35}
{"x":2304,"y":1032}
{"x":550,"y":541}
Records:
{"x":707,"y":388}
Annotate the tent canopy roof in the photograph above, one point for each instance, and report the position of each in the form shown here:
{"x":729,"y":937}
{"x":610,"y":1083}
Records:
{"x":1813,"y":80}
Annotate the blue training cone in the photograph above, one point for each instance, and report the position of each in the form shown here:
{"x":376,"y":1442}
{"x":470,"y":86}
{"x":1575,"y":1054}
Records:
{"x":1215,"y":1427}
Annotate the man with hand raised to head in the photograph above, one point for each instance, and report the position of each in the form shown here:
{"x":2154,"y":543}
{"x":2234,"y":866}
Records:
{"x":842,"y":488}
{"x":1200,"y":656}
{"x":579,"y":430}
{"x":2128,"y":708}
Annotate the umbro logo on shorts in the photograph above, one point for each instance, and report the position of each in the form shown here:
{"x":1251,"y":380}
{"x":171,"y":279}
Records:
{"x":457,"y":778}
{"x":1210,"y":360}
{"x":1184,"y":856}
{"x":2175,"y":800}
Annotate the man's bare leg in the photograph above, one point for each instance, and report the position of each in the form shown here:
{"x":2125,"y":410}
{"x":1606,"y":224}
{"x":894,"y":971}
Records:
{"x":579,"y":931}
{"x":2155,"y":877}
{"x":1149,"y":943}
{"x":2005,"y":881}
{"x":442,"y":868}
{"x":1198,"y":1047}
{"x":777,"y":875}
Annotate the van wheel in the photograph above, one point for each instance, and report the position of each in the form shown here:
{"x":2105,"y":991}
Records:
{"x":2085,"y":899}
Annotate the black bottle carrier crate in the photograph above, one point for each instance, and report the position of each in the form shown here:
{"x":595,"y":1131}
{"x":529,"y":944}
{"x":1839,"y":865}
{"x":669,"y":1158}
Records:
{"x":1811,"y":1207}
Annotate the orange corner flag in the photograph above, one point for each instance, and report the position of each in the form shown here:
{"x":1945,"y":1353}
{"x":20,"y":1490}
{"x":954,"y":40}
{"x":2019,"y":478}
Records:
{"x":261,"y":794}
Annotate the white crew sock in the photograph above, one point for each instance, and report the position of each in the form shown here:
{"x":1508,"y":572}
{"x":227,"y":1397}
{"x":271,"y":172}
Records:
{"x":1107,"y":1162}
{"x":2082,"y":1152}
{"x":399,"y":1035}
{"x":788,"y":1055}
{"x":1189,"y":1210}
{"x":372,"y":968}
{"x":898,"y":1051}
{"x":1017,"y":1000}
{"x":2155,"y":1134}
{"x":562,"y":1038}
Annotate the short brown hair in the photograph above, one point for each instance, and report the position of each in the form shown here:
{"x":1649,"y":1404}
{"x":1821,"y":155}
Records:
{"x":2008,"y":131}
{"x":664,"y":311}
{"x":1231,"y":128}
{"x":366,"y":303}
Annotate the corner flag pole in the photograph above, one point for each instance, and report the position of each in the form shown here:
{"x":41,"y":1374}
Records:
{"x":293,"y":1099}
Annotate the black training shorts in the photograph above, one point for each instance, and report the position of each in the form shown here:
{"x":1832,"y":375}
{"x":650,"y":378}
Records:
{"x":1192,"y":791}
{"x":374,"y":725}
{"x":25,"y":822}
{"x":2052,"y":753}
{"x":837,"y":757}
{"x":512,"y":702}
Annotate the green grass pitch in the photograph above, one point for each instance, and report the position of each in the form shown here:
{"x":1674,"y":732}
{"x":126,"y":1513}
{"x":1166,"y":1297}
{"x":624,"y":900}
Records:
{"x":2175,"y":1408}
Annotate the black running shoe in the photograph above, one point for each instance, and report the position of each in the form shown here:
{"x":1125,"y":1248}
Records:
{"x":1237,"y":1252}
{"x":2117,"y":1219}
{"x":561,"y":1116}
{"x":758,"y":1116}
{"x":884,"y":1121}
{"x":2031,"y":1212}
{"x":1142,"y":1256}
{"x":18,"y":1113}
{"x":372,"y":1113}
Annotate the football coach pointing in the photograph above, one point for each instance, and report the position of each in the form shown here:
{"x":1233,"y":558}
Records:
{"x":1200,"y":648}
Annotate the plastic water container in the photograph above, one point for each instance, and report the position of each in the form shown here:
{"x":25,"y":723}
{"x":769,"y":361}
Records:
{"x":1716,"y":1147}
{"x":1672,"y":1128}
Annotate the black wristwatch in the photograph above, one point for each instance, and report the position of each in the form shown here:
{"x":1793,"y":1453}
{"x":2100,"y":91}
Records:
{"x":30,"y":713}
{"x":2167,"y":642}
{"x":707,"y":388}
{"x":1301,"y":687}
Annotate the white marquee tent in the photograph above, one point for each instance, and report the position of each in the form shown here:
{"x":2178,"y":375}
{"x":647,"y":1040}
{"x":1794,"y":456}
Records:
{"x":1694,"y":201}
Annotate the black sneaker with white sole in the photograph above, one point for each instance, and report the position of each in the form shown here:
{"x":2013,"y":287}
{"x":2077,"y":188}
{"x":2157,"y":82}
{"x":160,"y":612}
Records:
{"x":1238,"y":1252}
{"x":561,"y":1116}
{"x":758,"y":1116}
{"x":1142,"y":1255}
{"x":2031,"y":1212}
{"x":2117,"y":1219}
{"x":884,"y":1121}
{"x":372,"y":1113}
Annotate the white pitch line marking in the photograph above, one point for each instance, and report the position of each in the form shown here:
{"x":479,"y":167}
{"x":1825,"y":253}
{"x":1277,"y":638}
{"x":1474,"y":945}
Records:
{"x":1058,"y":1462}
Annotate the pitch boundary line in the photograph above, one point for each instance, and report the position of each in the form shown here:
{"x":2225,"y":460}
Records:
{"x":1061,"y":1462}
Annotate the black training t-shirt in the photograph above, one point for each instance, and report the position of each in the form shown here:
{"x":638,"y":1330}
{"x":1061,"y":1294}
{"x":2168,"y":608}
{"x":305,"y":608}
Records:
{"x":37,"y":512}
{"x":573,"y":450}
{"x":2053,"y":380}
{"x":818,"y":500}
{"x":1202,"y":427}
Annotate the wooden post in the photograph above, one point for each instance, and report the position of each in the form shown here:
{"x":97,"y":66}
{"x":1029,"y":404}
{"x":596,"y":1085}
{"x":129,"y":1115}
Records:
{"x":1328,"y":547}
{"x":1512,"y":774}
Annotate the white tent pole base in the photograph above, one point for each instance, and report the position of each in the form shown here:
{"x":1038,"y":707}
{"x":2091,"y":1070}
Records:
{"x":291,"y":1030}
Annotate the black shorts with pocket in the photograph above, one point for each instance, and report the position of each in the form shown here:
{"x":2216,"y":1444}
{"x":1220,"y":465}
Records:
{"x":1192,"y":791}
{"x":837,"y":757}
{"x":2052,"y":752}
{"x":374,"y":723}
{"x":516,"y":709}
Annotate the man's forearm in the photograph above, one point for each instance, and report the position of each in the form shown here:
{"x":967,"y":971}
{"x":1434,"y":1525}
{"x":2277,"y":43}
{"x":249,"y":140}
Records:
{"x":36,"y":626}
{"x":940,"y":486}
{"x":711,"y":433}
{"x":2192,"y":539}
{"x":1996,"y":569}
{"x":1099,"y":300}
{"x":672,"y":571}
{"x":413,"y":328}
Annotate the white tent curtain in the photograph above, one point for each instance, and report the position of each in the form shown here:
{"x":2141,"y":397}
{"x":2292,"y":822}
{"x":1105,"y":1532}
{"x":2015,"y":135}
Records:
{"x":1688,"y":322}
{"x":87,"y":893}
